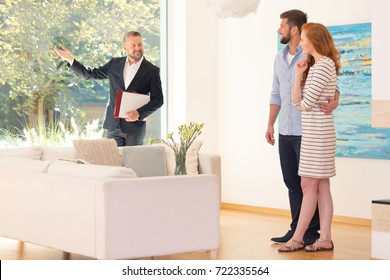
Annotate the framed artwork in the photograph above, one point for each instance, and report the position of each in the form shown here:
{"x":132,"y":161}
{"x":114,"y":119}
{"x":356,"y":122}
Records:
{"x":356,"y":136}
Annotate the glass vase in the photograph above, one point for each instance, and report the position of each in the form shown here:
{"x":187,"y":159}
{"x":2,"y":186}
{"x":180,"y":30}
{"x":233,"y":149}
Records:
{"x":180,"y":157}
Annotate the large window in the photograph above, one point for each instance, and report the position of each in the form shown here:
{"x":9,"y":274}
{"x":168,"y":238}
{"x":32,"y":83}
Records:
{"x":36,"y":87}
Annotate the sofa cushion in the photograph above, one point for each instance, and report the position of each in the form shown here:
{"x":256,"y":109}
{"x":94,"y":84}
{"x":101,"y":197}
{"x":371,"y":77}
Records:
{"x":89,"y":171}
{"x":49,"y":153}
{"x":24,"y":164}
{"x":98,"y":151}
{"x":146,"y":161}
{"x":191,"y":158}
{"x":32,"y":152}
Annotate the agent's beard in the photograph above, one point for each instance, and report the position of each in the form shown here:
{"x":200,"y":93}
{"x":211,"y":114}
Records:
{"x":136,"y":58}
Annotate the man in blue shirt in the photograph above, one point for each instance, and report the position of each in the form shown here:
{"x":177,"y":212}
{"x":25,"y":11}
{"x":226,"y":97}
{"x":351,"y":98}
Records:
{"x":290,"y":119}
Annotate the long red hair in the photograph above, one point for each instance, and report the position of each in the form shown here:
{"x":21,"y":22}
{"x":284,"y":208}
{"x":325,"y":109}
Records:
{"x":323,"y":43}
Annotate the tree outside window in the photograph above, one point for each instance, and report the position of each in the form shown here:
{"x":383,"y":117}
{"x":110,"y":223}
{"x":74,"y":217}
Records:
{"x":36,"y":87}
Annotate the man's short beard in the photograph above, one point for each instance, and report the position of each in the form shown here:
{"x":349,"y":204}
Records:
{"x":136,"y":58}
{"x":285,"y":40}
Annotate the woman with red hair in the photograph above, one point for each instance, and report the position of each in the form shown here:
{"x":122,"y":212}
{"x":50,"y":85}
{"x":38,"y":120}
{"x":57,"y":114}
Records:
{"x":315,"y":80}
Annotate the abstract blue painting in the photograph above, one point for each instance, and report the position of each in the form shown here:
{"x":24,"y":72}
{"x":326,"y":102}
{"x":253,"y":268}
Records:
{"x":356,"y":137}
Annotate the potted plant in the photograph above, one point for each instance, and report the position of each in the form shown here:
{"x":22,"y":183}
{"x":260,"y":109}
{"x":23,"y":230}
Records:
{"x":187,"y":135}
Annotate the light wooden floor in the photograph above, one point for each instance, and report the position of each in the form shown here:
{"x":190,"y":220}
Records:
{"x":244,"y":236}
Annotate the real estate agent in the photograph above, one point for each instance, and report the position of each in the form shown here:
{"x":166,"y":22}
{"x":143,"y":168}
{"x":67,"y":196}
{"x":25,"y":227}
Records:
{"x":131,"y":73}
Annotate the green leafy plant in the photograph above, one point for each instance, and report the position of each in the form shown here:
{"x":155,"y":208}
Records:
{"x":187,"y":135}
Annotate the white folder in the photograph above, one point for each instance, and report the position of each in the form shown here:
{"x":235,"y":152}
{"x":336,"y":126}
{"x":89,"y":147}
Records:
{"x":128,"y":101}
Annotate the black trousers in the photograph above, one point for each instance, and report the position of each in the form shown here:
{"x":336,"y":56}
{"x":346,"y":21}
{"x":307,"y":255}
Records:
{"x":289,"y":151}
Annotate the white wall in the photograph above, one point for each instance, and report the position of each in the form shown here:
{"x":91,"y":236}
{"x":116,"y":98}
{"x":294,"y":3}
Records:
{"x":238,"y":66}
{"x":192,"y":68}
{"x":380,"y":84}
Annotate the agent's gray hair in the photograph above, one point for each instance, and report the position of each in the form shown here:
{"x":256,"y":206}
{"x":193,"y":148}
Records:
{"x":130,"y":34}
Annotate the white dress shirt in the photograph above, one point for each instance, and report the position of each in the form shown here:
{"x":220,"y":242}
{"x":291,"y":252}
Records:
{"x":130,"y":70}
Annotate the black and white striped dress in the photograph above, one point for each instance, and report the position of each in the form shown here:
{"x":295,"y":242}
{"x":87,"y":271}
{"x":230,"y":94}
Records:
{"x":318,"y":146}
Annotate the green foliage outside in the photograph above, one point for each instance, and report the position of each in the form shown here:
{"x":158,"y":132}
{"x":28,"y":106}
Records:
{"x":55,"y":134}
{"x":34,"y":80}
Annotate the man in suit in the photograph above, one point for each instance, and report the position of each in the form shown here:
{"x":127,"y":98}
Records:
{"x":132,"y":73}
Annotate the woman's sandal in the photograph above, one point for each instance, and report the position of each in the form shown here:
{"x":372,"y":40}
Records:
{"x":291,"y":247}
{"x":315,"y":247}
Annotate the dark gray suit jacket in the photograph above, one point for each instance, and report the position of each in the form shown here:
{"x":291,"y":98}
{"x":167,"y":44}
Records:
{"x":146,"y":81}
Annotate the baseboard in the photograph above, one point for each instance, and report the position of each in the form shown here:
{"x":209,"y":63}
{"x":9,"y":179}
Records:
{"x":286,"y":213}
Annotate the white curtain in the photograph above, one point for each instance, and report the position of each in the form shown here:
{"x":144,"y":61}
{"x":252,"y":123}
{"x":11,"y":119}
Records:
{"x":233,"y":8}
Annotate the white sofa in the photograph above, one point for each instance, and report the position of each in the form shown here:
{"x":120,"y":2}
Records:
{"x":110,"y":218}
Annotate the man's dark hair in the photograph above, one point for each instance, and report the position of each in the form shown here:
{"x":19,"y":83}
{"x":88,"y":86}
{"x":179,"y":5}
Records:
{"x":295,"y":18}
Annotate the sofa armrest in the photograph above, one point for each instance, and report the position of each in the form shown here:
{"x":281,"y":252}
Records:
{"x":210,"y":164}
{"x":154,"y":216}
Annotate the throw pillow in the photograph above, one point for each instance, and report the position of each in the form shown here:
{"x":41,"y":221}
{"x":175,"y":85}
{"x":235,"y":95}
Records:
{"x":24,"y":164}
{"x":98,"y":151}
{"x":89,"y":171}
{"x":191,"y":158}
{"x":146,"y":161}
{"x":32,"y":152}
{"x":49,"y":153}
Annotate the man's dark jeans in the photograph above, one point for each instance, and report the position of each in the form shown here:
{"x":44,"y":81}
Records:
{"x":123,"y":139}
{"x":289,"y":151}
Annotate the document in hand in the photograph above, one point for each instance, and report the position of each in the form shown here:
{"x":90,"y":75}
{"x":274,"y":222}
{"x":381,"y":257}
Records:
{"x":128,"y":101}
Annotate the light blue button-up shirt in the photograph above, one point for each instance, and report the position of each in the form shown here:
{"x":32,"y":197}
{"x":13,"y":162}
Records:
{"x":282,"y":84}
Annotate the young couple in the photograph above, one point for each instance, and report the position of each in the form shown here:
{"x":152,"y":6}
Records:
{"x":304,"y":92}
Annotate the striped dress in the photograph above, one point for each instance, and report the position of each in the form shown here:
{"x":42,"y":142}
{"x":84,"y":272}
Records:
{"x":318,"y":146}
